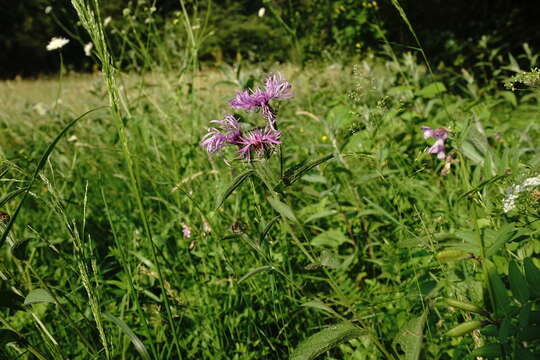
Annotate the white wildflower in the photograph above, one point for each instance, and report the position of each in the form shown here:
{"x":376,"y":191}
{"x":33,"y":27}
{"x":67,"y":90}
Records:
{"x":57,"y":43}
{"x":107,"y":21}
{"x":48,"y":9}
{"x":261,"y":12}
{"x":88,"y":49}
{"x":41,"y":109}
{"x":509,"y":202}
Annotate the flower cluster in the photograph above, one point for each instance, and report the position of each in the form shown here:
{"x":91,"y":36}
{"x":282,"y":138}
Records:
{"x":509,"y":202}
{"x":440,"y":135}
{"x":259,"y":142}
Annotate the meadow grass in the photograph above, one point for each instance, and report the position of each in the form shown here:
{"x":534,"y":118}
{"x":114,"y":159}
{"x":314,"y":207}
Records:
{"x":371,"y":241}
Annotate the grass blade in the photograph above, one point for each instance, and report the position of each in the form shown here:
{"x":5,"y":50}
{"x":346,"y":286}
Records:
{"x":139,"y":346}
{"x":234,"y":185}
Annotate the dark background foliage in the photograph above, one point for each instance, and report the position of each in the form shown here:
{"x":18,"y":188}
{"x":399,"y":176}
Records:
{"x":449,"y":30}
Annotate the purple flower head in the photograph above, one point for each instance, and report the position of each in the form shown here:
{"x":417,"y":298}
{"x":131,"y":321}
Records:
{"x":186,"y":231}
{"x":261,"y":142}
{"x":275,"y":87}
{"x":227,"y":133}
{"x":440,"y":135}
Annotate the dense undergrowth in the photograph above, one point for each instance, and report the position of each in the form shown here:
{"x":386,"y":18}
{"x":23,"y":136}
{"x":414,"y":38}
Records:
{"x":132,"y":242}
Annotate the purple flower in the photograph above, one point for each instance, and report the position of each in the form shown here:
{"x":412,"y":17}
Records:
{"x":186,"y":231}
{"x":259,"y":141}
{"x":440,"y":135}
{"x":275,"y":87}
{"x":227,"y":133}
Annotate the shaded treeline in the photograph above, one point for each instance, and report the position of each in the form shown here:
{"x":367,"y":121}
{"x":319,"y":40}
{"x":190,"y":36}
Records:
{"x":315,"y":29}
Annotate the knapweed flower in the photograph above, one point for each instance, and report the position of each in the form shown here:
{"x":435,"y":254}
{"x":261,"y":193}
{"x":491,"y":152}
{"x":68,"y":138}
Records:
{"x":227,"y":133}
{"x":186,"y":231}
{"x":260,"y":142}
{"x":440,"y":135}
{"x":275,"y":87}
{"x":512,"y":194}
{"x":56,"y":43}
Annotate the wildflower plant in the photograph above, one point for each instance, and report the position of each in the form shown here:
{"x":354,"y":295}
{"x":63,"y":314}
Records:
{"x":259,"y":142}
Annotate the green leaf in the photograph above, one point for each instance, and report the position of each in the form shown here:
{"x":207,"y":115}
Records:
{"x":139,"y":345}
{"x":410,"y":337}
{"x":532,"y":274}
{"x":325,"y":340}
{"x":254,"y":272}
{"x":330,"y":259}
{"x":518,"y":284}
{"x":475,"y":145}
{"x":18,"y":250}
{"x":504,"y":235}
{"x":39,"y":296}
{"x":502,"y":300}
{"x":316,"y":304}
{"x":432,"y":90}
{"x":488,"y":350}
{"x":332,"y":238}
{"x":282,"y":208}
{"x":234,"y":185}
{"x":7,"y":336}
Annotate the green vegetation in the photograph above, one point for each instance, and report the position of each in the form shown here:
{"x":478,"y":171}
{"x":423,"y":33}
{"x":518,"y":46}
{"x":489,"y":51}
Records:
{"x":122,"y":239}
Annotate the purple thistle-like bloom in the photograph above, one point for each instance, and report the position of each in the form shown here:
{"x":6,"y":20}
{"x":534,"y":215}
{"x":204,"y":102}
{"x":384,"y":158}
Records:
{"x":440,"y":135}
{"x":227,"y":133}
{"x":260,"y":141}
{"x":275,"y":87}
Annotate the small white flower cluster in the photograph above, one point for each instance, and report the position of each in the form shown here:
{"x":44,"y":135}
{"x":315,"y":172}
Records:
{"x":509,"y":202}
{"x":56,"y":43}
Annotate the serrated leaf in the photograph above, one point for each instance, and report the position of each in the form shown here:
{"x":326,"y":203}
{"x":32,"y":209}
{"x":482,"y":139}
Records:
{"x":410,"y":337}
{"x":39,"y":296}
{"x":282,"y":208}
{"x":332,"y":238}
{"x":255,"y":272}
{"x":234,"y":185}
{"x":325,"y":340}
{"x":19,"y":249}
{"x":139,"y":345}
{"x":518,"y":284}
